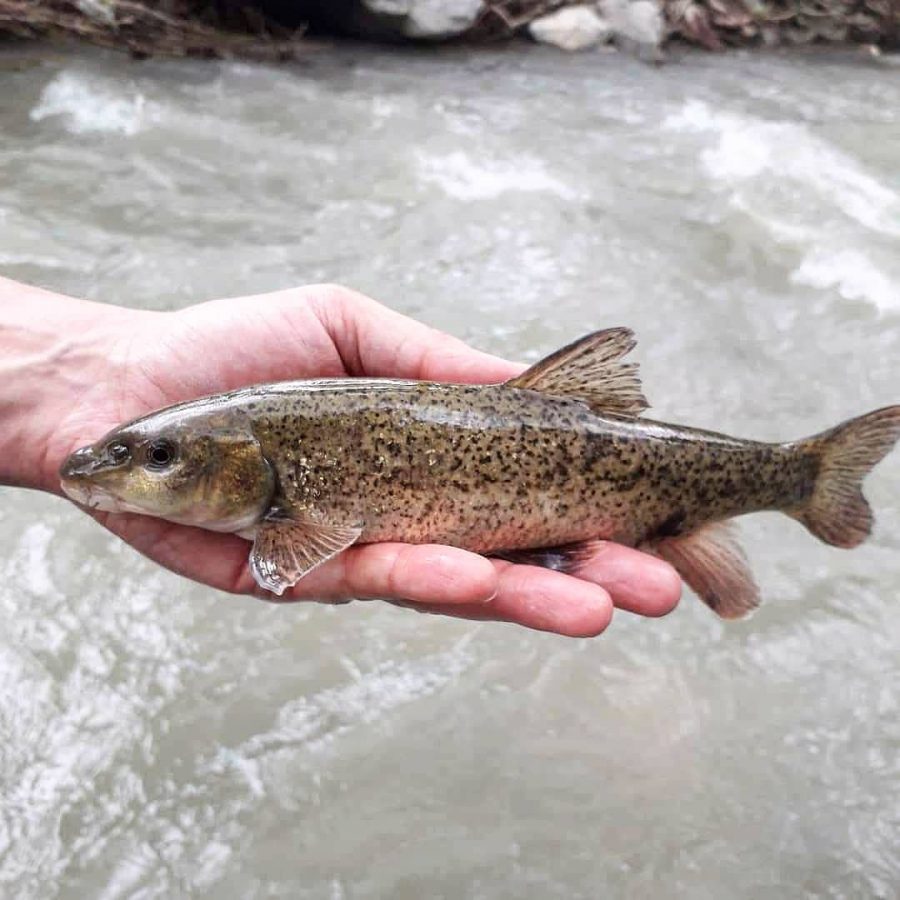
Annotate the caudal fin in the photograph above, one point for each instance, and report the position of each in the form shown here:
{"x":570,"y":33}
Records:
{"x":837,"y":511}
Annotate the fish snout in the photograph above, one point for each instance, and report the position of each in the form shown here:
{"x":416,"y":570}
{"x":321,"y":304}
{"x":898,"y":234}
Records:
{"x":78,"y":479}
{"x":83,"y":463}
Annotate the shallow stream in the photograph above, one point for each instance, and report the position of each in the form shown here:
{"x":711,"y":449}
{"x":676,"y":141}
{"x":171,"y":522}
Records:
{"x":741,"y":213}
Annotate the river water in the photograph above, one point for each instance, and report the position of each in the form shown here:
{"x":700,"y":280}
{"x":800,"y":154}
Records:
{"x":742,"y":213}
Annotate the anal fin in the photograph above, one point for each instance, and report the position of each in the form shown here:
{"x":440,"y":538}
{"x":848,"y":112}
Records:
{"x":285,"y":549}
{"x":713,"y":564}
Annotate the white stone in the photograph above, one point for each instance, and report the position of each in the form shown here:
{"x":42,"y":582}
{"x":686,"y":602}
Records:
{"x":102,"y":11}
{"x":389,"y":7}
{"x":570,"y":28}
{"x":430,"y":18}
{"x":638,"y":21}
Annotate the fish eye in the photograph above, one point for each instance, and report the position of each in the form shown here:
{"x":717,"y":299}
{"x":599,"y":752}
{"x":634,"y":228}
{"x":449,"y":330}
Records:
{"x":118,"y":453}
{"x":160,"y":454}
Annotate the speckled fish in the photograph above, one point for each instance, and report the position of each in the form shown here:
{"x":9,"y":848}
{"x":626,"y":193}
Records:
{"x":534,"y":469}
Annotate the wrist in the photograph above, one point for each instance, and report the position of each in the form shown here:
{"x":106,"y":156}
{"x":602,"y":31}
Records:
{"x":53,"y":350}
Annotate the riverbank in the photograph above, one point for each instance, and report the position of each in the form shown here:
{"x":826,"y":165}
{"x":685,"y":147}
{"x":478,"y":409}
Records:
{"x":278,"y":29}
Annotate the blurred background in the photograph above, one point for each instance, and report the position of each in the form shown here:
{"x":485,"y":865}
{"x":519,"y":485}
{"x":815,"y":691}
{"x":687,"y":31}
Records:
{"x":742,"y":214}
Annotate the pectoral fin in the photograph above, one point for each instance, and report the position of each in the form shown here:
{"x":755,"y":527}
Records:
{"x":285,"y":549}
{"x":591,"y":370}
{"x":712,"y":563}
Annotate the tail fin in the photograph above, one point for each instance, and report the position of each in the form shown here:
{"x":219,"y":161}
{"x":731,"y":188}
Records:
{"x":837,"y":511}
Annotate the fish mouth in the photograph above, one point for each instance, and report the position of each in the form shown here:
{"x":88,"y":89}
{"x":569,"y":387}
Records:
{"x":92,"y":497}
{"x":76,"y":476}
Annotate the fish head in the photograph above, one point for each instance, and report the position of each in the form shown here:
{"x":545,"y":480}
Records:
{"x":203,"y":469}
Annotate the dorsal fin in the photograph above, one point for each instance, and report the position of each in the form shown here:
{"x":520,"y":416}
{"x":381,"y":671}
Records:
{"x":591,"y":369}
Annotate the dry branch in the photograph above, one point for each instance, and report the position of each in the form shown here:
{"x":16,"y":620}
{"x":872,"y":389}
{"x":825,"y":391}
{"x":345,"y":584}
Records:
{"x":142,"y":29}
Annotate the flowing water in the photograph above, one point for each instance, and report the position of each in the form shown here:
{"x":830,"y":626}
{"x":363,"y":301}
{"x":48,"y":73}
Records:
{"x":158,"y":739}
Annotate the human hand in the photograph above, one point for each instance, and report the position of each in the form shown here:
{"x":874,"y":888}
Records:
{"x":116,"y":364}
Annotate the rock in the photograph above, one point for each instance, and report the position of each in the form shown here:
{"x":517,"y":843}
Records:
{"x":635,"y":22}
{"x":101,"y":11}
{"x":571,"y":28}
{"x":428,"y":19}
{"x":377,"y":20}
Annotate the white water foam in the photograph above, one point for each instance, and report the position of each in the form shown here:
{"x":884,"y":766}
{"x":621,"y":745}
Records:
{"x":822,"y":196}
{"x":87,"y":105}
{"x":748,"y":147}
{"x":464,"y":178}
{"x":852,"y":274}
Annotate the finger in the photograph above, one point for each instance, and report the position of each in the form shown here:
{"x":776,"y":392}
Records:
{"x":214,"y":559}
{"x":540,"y":599}
{"x":551,"y":601}
{"x":391,"y":571}
{"x":415,"y":573}
{"x":434,"y":578}
{"x":378,"y":341}
{"x":637,"y":582}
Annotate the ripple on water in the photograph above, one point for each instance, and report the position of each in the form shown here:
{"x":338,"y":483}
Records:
{"x":792,"y":181}
{"x":161,"y":740}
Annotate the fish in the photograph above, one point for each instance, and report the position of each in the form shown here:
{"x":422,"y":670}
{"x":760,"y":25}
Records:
{"x":537,"y":469}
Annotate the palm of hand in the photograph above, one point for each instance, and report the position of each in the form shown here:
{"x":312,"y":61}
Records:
{"x":154,"y":360}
